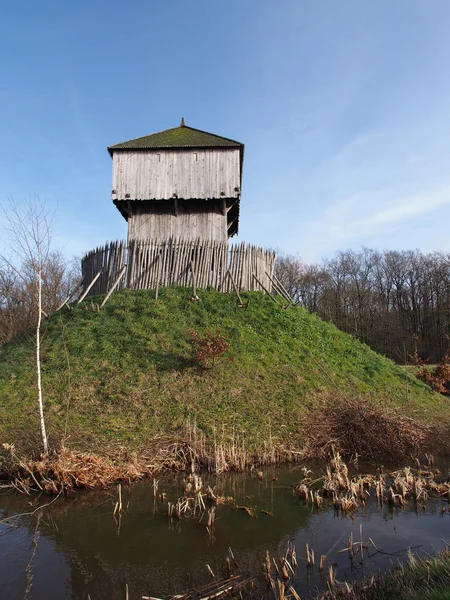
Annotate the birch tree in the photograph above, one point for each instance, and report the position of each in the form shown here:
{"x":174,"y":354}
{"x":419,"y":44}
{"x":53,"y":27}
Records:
{"x":29,"y":232}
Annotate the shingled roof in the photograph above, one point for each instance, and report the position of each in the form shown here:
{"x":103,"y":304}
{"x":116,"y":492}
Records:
{"x":178,"y":137}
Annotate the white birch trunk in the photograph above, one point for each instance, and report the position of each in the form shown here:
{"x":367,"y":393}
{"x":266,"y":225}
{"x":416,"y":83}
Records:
{"x":38,"y":356}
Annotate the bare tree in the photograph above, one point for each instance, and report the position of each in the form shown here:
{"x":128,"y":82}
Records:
{"x":392,"y":300}
{"x":29,"y":231}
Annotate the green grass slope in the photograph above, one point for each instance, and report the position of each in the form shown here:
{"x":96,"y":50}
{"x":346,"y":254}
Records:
{"x":120,"y":376}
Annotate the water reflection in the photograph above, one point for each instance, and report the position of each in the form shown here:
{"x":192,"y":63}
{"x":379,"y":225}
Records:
{"x":82,"y":549}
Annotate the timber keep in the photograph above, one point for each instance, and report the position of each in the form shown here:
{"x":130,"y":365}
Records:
{"x":182,"y":182}
{"x":179,"y":190}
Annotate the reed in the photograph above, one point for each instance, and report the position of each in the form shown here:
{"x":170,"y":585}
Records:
{"x":419,"y":579}
{"x":64,"y":471}
{"x":310,"y":559}
{"x":118,"y":508}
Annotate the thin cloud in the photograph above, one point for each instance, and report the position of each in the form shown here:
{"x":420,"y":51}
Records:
{"x":411,"y":207}
{"x":364,"y":217}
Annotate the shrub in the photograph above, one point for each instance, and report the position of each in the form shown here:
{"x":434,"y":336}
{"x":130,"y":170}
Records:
{"x":208,"y":348}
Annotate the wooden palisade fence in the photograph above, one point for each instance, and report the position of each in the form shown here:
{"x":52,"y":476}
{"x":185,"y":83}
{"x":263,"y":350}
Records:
{"x":148,"y":264}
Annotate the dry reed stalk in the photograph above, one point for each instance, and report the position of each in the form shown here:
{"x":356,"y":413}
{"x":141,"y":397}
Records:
{"x":276,"y":566}
{"x":294,"y":593}
{"x":361,"y":541}
{"x":211,"y":517}
{"x":284,"y":571}
{"x":331,"y":579}
{"x":303,"y":492}
{"x":348,"y":504}
{"x":118,"y":506}
{"x":374,"y":545}
{"x":309,"y":557}
{"x":316,"y":500}
{"x":322,"y":562}
{"x":281,"y":590}
{"x":294,"y":557}
{"x":228,"y":566}
{"x":267,"y":567}
{"x":379,"y":487}
{"x":211,"y":496}
{"x":246,"y":509}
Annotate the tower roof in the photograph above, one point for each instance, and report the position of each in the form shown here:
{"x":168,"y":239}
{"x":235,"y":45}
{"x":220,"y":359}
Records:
{"x":177,"y":137}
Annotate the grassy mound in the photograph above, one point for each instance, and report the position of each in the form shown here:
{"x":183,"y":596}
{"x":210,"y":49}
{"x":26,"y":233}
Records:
{"x":117,"y":378}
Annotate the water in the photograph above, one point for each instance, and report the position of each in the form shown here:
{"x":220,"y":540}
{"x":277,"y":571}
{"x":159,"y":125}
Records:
{"x":76,"y":547}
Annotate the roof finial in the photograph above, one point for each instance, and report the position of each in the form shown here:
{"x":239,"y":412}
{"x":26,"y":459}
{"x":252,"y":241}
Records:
{"x":182,"y":122}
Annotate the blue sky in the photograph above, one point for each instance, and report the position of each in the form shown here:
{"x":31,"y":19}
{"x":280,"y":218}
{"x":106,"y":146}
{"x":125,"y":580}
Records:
{"x":344,"y":109}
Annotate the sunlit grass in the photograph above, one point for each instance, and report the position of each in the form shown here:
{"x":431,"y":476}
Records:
{"x":121,"y":375}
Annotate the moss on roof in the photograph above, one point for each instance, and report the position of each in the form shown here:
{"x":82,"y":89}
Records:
{"x":178,"y":137}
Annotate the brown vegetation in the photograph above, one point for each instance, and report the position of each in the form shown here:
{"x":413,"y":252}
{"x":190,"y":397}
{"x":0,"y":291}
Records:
{"x":66,"y":470}
{"x":438,"y":378}
{"x":62,"y":472}
{"x":359,"y":427}
{"x":208,"y":347}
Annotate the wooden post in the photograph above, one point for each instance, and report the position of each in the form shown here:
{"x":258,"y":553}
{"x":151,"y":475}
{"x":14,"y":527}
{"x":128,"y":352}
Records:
{"x":114,"y":286}
{"x":265,"y":289}
{"x":194,"y":291}
{"x":279,"y":288}
{"x":157,"y":275}
{"x":89,"y":287}
{"x":234,"y":286}
{"x":72,"y":293}
{"x":288,"y":297}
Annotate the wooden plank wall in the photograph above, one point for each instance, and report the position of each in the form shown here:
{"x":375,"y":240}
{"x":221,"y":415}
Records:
{"x":181,"y":219}
{"x":169,"y":263}
{"x":162,"y":174}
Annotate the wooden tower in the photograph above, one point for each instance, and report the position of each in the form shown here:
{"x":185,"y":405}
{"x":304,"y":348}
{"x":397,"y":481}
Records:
{"x":180,"y":183}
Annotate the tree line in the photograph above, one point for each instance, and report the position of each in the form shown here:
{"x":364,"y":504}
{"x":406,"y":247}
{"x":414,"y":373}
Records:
{"x":18,"y":292}
{"x":394,"y":301}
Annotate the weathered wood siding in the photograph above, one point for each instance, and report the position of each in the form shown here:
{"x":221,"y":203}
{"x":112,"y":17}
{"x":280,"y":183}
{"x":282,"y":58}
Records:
{"x":193,"y":219}
{"x":164,"y":174}
{"x":169,"y":263}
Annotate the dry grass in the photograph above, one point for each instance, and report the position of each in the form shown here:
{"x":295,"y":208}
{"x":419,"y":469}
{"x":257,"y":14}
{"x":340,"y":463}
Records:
{"x":66,"y":470}
{"x":358,"y":426}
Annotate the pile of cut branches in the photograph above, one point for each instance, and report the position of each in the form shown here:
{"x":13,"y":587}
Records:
{"x":357,"y":426}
